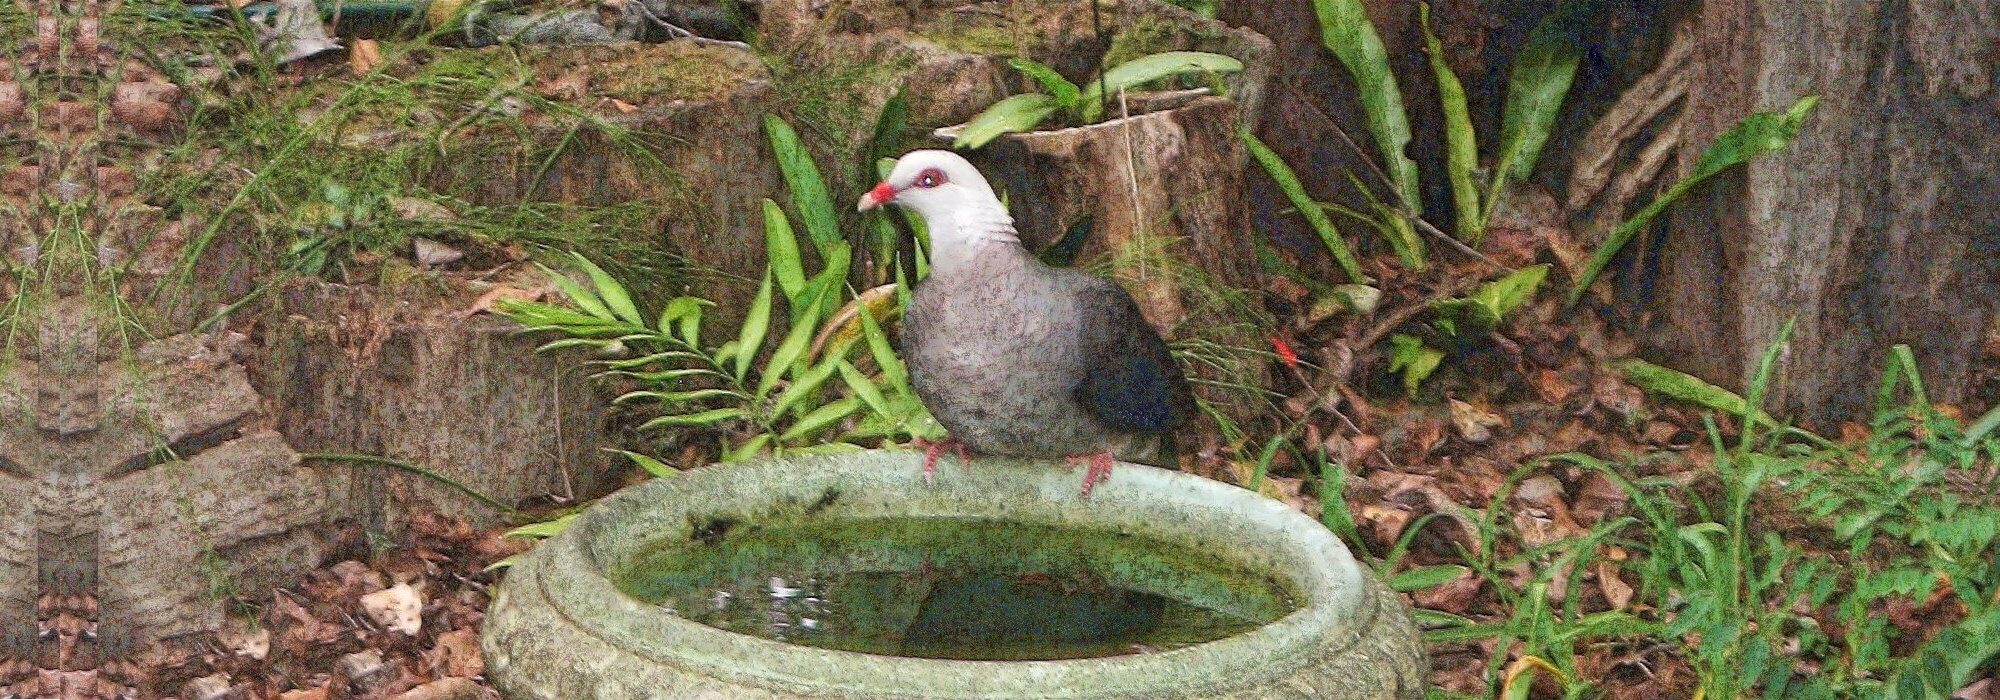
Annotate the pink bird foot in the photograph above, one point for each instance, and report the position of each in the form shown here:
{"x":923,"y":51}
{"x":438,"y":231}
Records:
{"x":931,"y":450}
{"x":1100,"y":469}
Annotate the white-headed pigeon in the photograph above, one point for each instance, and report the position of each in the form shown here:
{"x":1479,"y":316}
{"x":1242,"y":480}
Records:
{"x":1018,"y":358}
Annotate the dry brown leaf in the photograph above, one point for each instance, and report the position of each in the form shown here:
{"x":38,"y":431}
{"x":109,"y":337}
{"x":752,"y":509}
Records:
{"x":1285,"y":289}
{"x":314,"y":693}
{"x":429,"y":253}
{"x":399,"y":608}
{"x":567,"y":86}
{"x":486,"y":301}
{"x":363,"y":56}
{"x":456,"y":654}
{"x":1455,"y":596}
{"x":1540,"y":513}
{"x":1616,"y":396}
{"x":1386,"y":522}
{"x":1549,"y":385}
{"x":243,"y":638}
{"x":420,"y":209}
{"x":1616,"y":592}
{"x":1474,"y":423}
{"x":444,"y":689}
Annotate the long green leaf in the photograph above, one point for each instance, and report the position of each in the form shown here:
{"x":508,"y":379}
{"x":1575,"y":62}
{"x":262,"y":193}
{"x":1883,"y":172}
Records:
{"x":555,"y":345}
{"x":805,"y":324}
{"x":652,"y":466}
{"x":886,"y":142}
{"x":889,"y":125}
{"x":1345,"y":29}
{"x":1461,"y":152}
{"x":1756,"y":135}
{"x":864,"y":388}
{"x":809,"y":193}
{"x":1146,"y":69}
{"x":781,"y":250}
{"x":749,"y":448}
{"x":678,"y":396}
{"x":1288,"y":182}
{"x":1058,"y":87}
{"x":611,"y":291}
{"x":665,"y":376}
{"x":1017,"y":113}
{"x":691,"y":419}
{"x":808,"y":383}
{"x":583,"y":298}
{"x":652,"y":358}
{"x":824,"y":287}
{"x":885,"y":355}
{"x":1423,"y":577}
{"x":1536,"y":88}
{"x":820,"y":418}
{"x":546,"y":528}
{"x":755,"y":325}
{"x":1675,"y":384}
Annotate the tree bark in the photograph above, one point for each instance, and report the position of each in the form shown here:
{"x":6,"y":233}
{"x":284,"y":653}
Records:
{"x":1876,"y":227}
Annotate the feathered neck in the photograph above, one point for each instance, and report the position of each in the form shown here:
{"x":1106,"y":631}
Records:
{"x":964,"y":236}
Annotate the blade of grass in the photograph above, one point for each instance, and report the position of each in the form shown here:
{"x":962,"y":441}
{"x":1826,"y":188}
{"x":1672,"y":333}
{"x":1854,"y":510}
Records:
{"x":1017,"y":113}
{"x":1345,"y":29}
{"x":1756,"y":135}
{"x":1536,"y":88}
{"x":781,"y":250}
{"x":1146,"y":69}
{"x":1288,"y":182}
{"x":755,"y":325}
{"x":809,"y":193}
{"x":1064,"y":91}
{"x":1461,"y":144}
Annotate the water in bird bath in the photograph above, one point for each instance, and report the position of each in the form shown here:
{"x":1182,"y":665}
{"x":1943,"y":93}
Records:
{"x":952,"y":588}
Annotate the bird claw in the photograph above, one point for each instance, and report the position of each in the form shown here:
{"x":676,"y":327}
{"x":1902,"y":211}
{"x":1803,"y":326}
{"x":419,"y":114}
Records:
{"x":1098,"y":471}
{"x":931,"y":450}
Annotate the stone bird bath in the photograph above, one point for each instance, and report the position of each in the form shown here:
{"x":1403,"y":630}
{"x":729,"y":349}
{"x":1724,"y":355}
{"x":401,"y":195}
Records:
{"x":566,"y":625}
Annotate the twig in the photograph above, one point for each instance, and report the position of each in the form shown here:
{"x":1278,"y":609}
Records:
{"x":405,"y":466}
{"x":1403,"y":208}
{"x":673,"y":30}
{"x":561,"y":456}
{"x":1320,"y":402}
{"x":1426,"y":227}
{"x":1399,"y":316}
{"x":1132,"y":179}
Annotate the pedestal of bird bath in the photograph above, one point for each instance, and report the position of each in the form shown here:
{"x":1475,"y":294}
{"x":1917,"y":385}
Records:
{"x":563,"y":626}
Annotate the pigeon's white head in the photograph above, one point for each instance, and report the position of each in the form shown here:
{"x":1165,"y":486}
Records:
{"x":957,"y":205}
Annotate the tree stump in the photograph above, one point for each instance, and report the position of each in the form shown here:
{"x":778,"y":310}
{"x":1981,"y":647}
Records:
{"x":1054,"y":32}
{"x":699,"y":149}
{"x":1164,"y":192}
{"x":407,"y":376}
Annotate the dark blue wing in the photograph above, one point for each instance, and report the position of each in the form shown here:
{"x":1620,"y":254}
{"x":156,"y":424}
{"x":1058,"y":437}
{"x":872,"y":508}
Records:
{"x":1131,"y":382}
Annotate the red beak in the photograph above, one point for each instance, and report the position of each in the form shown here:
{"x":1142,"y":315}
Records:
{"x":882,"y":194}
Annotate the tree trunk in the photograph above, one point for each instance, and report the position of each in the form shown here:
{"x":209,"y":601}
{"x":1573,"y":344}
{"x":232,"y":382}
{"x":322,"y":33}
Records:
{"x":1876,"y":227}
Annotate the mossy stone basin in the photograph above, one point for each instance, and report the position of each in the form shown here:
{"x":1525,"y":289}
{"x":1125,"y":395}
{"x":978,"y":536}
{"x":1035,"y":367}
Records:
{"x":579,"y":617}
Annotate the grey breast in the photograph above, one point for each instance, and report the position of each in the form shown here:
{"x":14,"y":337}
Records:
{"x":993,"y":351}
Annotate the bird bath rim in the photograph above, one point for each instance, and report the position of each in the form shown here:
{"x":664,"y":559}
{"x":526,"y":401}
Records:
{"x":1325,"y":582}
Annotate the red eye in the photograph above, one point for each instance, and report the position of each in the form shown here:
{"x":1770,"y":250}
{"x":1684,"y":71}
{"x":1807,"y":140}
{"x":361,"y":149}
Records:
{"x":930,"y":178}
